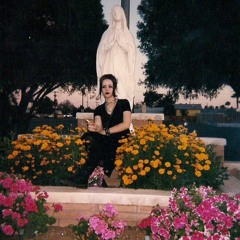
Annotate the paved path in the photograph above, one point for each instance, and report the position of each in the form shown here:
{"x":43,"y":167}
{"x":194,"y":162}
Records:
{"x":231,"y":186}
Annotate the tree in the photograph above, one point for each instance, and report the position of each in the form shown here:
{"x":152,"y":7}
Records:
{"x":193,"y":47}
{"x":67,"y":107}
{"x":46,"y":107}
{"x":46,"y":44}
{"x":167,"y":101}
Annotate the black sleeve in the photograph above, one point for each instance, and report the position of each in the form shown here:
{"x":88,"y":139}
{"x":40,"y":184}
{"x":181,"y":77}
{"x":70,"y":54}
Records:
{"x":125,"y":105}
{"x":98,"y":111}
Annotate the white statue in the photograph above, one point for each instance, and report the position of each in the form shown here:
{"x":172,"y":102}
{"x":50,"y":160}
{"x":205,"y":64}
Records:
{"x":116,"y":54}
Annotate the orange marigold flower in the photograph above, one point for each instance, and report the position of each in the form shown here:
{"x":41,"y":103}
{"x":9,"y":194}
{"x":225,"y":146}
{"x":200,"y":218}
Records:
{"x":161,"y":171}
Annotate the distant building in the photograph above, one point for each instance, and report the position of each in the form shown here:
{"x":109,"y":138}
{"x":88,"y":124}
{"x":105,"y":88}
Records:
{"x":190,"y":110}
{"x":149,"y":110}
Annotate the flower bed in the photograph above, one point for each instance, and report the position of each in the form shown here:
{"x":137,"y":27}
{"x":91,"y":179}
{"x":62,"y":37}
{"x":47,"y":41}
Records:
{"x":195,"y":213}
{"x":160,"y":157}
{"x":20,"y":212}
{"x":154,"y":157}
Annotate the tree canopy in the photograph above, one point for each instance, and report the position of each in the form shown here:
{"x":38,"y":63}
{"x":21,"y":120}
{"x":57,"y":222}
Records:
{"x":193,"y":47}
{"x":46,"y":44}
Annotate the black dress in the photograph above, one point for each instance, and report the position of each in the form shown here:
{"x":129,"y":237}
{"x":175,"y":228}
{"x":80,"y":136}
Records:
{"x":101,"y":148}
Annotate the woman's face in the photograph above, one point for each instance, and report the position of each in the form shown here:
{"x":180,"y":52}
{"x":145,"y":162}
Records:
{"x":117,"y":15}
{"x":107,"y":88}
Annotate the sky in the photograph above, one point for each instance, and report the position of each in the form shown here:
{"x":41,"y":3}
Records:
{"x":76,"y":99}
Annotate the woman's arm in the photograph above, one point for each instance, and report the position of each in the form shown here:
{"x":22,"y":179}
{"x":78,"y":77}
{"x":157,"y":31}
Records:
{"x":127,"y":119}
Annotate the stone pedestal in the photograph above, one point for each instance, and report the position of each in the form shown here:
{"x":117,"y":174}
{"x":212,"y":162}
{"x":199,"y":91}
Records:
{"x":138,"y":119}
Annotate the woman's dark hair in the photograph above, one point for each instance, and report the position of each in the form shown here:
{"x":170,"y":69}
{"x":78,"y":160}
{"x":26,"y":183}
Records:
{"x":109,"y":77}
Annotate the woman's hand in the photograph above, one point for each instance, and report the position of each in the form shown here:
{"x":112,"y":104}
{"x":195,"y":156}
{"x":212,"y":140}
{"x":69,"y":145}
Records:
{"x":91,"y":127}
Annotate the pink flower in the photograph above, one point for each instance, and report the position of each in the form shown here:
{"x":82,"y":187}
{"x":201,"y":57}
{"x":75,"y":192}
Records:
{"x":14,"y":188}
{"x":16,"y":215}
{"x":42,"y":195}
{"x":22,"y":222}
{"x":7,"y":182}
{"x":198,"y":236}
{"x":8,"y":230}
{"x":57,"y":207}
{"x":6,"y":212}
{"x":31,"y":205}
{"x":108,"y":234}
{"x":109,"y":210}
{"x":180,"y":222}
{"x":8,"y":201}
{"x":97,"y":224}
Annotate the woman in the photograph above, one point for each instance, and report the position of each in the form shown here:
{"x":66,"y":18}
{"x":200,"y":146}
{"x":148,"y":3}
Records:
{"x":116,"y":54}
{"x":111,"y":123}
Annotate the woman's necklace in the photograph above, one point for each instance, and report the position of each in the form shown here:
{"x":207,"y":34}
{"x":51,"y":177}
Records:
{"x":109,"y":106}
{"x":113,"y":101}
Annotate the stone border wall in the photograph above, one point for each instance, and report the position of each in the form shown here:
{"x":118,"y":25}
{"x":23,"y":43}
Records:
{"x":132,"y":205}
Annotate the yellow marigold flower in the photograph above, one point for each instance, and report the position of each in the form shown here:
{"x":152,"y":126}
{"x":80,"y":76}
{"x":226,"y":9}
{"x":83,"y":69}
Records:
{"x":43,"y":162}
{"x":68,"y":142}
{"x":201,"y":156}
{"x":10,"y":156}
{"x":60,"y":126}
{"x":49,"y":172}
{"x":167,"y":164}
{"x":38,"y":142}
{"x":187,"y":162}
{"x":199,"y":166}
{"x":134,"y":177}
{"x":147,"y":169}
{"x":27,"y":148}
{"x":29,"y":155}
{"x":124,"y":140}
{"x":178,"y":161}
{"x":46,"y":133}
{"x":142,"y":141}
{"x":156,"y":153}
{"x":142,"y":173}
{"x":202,"y":149}
{"x":79,"y":142}
{"x":208,"y":162}
{"x":129,"y":170}
{"x":174,"y":177}
{"x":152,"y":139}
{"x":169,"y":172}
{"x":118,"y":162}
{"x":135,"y":152}
{"x":25,"y":168}
{"x":140,"y":165}
{"x":179,"y":170}
{"x":154,"y":164}
{"x":206,"y":167}
{"x":146,"y":161}
{"x":82,"y":161}
{"x":59,"y":144}
{"x":135,"y":167}
{"x":161,"y":171}
{"x":186,"y":154}
{"x":15,"y":153}
{"x":17,"y":163}
{"x":198,"y":173}
{"x":70,"y":169}
{"x":176,"y":166}
{"x":128,"y":149}
{"x":44,"y":146}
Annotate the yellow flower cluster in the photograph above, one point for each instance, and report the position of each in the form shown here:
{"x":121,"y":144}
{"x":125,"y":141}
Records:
{"x":162,"y":157}
{"x":46,"y":155}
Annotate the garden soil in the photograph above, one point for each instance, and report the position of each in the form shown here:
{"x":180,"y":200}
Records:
{"x":65,"y":233}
